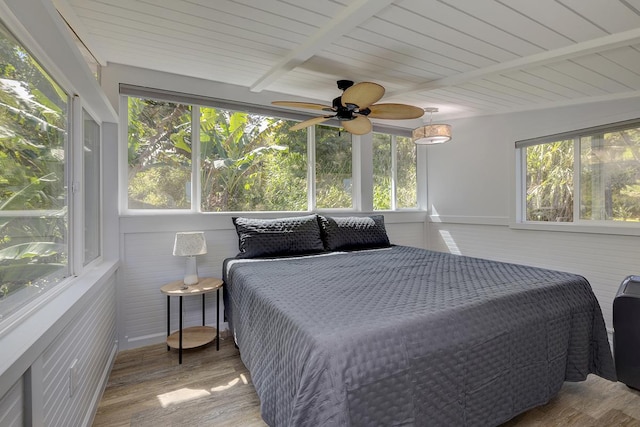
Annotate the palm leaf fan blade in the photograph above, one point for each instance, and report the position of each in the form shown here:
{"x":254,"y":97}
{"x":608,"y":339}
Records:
{"x":310,"y":122}
{"x":362,"y":94}
{"x":358,"y":126}
{"x":395,"y":111}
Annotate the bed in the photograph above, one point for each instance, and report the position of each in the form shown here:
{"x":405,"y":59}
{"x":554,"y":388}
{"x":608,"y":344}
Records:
{"x":363,"y":334}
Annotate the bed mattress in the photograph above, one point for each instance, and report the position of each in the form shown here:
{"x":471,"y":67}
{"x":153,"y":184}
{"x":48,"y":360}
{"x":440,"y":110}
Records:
{"x":406,"y":336}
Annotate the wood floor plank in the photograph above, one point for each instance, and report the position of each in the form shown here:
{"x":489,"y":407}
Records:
{"x":147,"y":387}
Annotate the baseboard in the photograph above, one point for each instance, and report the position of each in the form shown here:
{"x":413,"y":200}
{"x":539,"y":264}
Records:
{"x":97,"y":395}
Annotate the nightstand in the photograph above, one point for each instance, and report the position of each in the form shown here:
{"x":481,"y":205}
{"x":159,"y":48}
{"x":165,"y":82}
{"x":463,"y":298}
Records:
{"x":194,"y":336}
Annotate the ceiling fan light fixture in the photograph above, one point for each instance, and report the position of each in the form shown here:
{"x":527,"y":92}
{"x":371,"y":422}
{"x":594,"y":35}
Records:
{"x":433,"y":133}
{"x":355,"y":107}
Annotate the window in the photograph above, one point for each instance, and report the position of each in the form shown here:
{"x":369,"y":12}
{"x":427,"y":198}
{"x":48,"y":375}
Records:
{"x":383,"y":185}
{"x":92,"y":194}
{"x":245,"y":161}
{"x":251,"y":162}
{"x":406,"y":173}
{"x":333,"y":168}
{"x":589,"y":175}
{"x":33,"y":177}
{"x":394,"y":172}
{"x":159,"y":155}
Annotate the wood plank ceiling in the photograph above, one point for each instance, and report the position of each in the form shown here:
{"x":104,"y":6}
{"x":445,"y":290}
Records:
{"x":466,"y":57}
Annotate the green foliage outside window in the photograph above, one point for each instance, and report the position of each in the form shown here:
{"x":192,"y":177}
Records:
{"x":248,"y":162}
{"x":609,"y":176}
{"x":382,"y":174}
{"x":159,"y":154}
{"x":550,"y":182}
{"x":33,"y":196}
{"x":407,"y":178}
{"x":333,"y":168}
{"x":251,"y":163}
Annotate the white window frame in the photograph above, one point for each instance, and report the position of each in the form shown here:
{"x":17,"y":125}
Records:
{"x":359,"y":150}
{"x":394,"y":178}
{"x":73,"y":181}
{"x":78,"y":188}
{"x":577,"y":225}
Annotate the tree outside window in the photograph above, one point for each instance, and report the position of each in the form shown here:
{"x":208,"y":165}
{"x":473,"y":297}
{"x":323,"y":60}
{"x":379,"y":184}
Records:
{"x":333,"y":168}
{"x":394,"y":172}
{"x":33,"y":168}
{"x":251,"y":163}
{"x":159,"y":154}
{"x":604,"y":177}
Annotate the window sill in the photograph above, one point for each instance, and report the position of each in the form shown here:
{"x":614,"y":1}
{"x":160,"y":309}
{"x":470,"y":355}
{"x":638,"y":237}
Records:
{"x":620,"y":229}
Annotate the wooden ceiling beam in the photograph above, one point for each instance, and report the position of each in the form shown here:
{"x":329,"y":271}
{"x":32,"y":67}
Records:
{"x":625,"y":38}
{"x":353,"y":15}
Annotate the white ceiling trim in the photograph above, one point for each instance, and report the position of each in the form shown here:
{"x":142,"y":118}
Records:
{"x":355,"y":14}
{"x":612,"y":41}
{"x":79,"y":28}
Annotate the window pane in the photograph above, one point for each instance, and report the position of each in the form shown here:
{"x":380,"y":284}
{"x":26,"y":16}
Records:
{"x":333,"y":168}
{"x":33,"y":196}
{"x":382,"y":173}
{"x":610,"y":176}
{"x":251,"y":163}
{"x":91,"y":131}
{"x":406,"y":181}
{"x":549,"y":181}
{"x":159,"y":155}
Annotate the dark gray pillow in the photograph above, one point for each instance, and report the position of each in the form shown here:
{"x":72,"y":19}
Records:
{"x":278,"y":237}
{"x":348,"y":233}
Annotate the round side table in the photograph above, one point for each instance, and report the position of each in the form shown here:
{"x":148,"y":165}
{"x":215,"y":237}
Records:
{"x":194,"y":336}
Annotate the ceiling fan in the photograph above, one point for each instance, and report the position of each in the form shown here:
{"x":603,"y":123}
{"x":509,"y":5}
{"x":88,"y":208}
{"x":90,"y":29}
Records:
{"x":354,"y":108}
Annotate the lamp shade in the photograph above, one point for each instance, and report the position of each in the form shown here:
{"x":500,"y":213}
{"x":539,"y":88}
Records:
{"x":190,"y":244}
{"x":432,"y":134}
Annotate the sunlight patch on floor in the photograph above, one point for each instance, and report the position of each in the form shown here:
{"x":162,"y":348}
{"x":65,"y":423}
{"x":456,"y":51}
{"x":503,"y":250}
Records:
{"x":181,"y":395}
{"x":228,"y":386}
{"x":185,"y":394}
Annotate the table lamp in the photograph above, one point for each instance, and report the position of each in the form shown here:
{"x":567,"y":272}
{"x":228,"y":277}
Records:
{"x":190,"y":244}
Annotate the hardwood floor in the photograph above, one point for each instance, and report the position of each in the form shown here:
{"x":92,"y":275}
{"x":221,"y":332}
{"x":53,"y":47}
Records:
{"x":147,"y":387}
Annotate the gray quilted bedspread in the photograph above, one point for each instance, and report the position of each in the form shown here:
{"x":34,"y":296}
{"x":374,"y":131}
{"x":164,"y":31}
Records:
{"x":405,"y":336}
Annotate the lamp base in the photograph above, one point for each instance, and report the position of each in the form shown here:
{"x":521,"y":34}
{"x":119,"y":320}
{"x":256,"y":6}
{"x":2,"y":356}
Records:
{"x":191,"y":272}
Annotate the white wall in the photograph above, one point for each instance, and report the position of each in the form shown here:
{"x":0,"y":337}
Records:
{"x":88,"y":342}
{"x":471,"y":187}
{"x":80,"y":326}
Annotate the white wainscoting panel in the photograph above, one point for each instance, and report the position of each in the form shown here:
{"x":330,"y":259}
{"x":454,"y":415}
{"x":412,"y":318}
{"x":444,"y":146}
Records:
{"x":11,"y":404}
{"x":407,"y":234}
{"x":89,"y":340}
{"x":147,"y":263}
{"x":605,"y":260}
